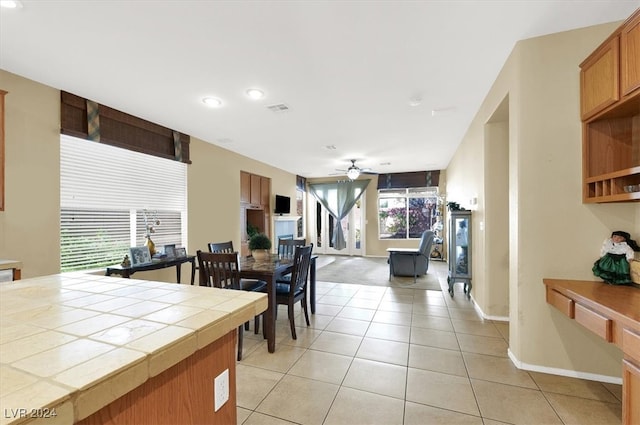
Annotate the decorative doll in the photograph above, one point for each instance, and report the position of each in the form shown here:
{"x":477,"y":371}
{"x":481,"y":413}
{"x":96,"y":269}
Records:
{"x":615,"y":256}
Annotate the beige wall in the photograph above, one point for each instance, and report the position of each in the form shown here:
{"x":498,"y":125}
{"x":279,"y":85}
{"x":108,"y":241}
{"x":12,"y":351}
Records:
{"x":551,"y":233}
{"x":30,"y":224}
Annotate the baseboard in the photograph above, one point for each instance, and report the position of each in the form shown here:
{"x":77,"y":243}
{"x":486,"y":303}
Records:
{"x":563,"y":372}
{"x":486,"y":316}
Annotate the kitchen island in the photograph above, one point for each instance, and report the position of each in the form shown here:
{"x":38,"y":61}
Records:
{"x":81,"y":348}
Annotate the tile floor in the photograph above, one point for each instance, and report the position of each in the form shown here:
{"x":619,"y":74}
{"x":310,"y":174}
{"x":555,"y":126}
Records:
{"x":380,"y":355}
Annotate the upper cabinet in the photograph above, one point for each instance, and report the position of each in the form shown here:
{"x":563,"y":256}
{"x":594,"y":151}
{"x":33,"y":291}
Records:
{"x":255,"y":190}
{"x":630,"y":56}
{"x":610,"y":112}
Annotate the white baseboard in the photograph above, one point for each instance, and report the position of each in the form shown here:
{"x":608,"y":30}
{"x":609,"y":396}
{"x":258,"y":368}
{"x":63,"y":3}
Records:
{"x":486,"y":316}
{"x":563,"y":372}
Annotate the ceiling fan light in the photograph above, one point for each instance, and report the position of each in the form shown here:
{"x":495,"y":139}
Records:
{"x":353,"y":173}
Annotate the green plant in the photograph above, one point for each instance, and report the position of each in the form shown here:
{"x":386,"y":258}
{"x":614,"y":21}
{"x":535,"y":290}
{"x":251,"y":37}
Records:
{"x":252,"y":230}
{"x":259,"y":241}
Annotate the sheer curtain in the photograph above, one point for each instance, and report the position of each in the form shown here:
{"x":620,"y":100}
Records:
{"x":338,"y":198}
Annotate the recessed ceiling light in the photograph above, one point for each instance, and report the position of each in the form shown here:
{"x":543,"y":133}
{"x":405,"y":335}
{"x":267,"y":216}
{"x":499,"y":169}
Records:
{"x":255,"y":94}
{"x":212,"y":102}
{"x":11,"y":4}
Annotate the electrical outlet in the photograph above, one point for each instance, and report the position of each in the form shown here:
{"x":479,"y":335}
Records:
{"x":220,"y":390}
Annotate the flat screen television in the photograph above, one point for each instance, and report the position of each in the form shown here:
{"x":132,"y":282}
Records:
{"x":283,"y":205}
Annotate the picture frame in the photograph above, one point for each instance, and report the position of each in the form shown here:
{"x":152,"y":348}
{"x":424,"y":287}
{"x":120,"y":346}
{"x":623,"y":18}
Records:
{"x":181,"y":252}
{"x":139,"y":255}
{"x":170,"y":251}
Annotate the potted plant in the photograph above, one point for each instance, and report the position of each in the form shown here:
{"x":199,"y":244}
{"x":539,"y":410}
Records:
{"x":260,"y":246}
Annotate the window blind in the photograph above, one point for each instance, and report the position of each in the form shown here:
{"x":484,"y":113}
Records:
{"x":103,"y":192}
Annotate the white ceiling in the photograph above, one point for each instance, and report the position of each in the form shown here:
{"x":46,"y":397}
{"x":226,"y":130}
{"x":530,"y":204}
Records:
{"x":348,"y":70}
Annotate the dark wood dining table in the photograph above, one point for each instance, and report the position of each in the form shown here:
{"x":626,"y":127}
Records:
{"x":268,"y":271}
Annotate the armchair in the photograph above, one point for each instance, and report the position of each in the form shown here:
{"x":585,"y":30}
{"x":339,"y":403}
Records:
{"x":411,"y":262}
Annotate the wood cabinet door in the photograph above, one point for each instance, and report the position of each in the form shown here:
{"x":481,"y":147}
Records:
{"x":630,"y":393}
{"x":630,"y":56}
{"x":265,"y":192}
{"x":599,"y":81}
{"x":256,"y":197}
{"x":2,"y":93}
{"x":245,"y":187}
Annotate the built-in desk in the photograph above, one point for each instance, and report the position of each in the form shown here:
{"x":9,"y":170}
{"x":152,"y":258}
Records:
{"x":14,"y":265}
{"x":613,"y":313}
{"x":87,"y":349}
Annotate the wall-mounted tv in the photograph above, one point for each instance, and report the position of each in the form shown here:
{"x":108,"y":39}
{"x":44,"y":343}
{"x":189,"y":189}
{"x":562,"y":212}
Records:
{"x":283,"y":205}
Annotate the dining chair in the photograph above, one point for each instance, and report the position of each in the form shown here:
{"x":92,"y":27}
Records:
{"x":287,"y":249}
{"x":296,"y":290}
{"x":221,"y":246}
{"x":220,"y":270}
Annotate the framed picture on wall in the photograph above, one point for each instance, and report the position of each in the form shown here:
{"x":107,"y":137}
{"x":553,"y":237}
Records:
{"x":140,"y":255}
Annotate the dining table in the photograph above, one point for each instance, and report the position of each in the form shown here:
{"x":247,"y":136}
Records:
{"x":269,"y":270}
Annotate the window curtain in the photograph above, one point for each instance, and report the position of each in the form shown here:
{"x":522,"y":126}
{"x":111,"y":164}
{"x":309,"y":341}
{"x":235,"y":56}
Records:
{"x":339,"y":198}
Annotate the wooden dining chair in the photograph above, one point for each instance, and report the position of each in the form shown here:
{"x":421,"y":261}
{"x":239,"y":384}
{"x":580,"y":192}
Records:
{"x":221,"y":246}
{"x":287,"y":249}
{"x":220,"y":270}
{"x":296,"y":290}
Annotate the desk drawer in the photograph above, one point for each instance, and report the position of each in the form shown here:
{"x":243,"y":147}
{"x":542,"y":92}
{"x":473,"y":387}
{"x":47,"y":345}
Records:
{"x":562,"y":303}
{"x":593,"y":321}
{"x":631,"y":344}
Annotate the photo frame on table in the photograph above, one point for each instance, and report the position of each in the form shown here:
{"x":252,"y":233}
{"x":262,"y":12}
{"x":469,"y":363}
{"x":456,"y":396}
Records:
{"x":139,"y":255}
{"x":181,"y":252}
{"x":170,"y":251}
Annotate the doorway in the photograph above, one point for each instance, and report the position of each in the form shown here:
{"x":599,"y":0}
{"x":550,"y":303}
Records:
{"x":352,"y":227}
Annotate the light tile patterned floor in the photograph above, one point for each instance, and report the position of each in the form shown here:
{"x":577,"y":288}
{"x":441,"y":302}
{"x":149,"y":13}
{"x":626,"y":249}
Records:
{"x":379,"y":355}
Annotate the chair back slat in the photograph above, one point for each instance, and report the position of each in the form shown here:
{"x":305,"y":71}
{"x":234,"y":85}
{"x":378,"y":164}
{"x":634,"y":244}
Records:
{"x":287,"y":247}
{"x":219,"y":269}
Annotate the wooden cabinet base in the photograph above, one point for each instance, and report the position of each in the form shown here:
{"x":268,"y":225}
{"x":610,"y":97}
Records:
{"x":183,"y":394}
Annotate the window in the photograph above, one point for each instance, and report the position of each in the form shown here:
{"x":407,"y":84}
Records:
{"x":406,"y":213}
{"x":103,"y":192}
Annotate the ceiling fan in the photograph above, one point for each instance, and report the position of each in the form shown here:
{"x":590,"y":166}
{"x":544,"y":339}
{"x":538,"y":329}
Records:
{"x":353,"y":172}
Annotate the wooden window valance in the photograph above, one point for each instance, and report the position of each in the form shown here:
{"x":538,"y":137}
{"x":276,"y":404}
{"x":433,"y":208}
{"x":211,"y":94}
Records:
{"x":408,"y":180}
{"x":86,"y":119}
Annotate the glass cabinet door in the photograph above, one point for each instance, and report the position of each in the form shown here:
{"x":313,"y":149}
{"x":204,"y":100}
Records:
{"x":461,"y":254}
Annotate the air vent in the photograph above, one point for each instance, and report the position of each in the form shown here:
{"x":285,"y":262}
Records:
{"x":278,"y":108}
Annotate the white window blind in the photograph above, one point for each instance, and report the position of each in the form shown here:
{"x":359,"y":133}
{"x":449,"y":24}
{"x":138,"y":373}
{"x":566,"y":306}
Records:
{"x":103,"y":191}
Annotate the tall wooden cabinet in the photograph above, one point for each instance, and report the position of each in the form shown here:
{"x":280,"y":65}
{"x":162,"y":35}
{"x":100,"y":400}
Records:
{"x":2,"y":94}
{"x":610,"y":113}
{"x":255,"y":206}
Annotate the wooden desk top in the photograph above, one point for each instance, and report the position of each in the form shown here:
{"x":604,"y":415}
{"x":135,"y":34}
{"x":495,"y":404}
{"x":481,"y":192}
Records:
{"x":10,"y":264}
{"x":620,"y":302}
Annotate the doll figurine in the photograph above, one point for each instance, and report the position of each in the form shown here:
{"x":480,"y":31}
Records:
{"x":615,"y":256}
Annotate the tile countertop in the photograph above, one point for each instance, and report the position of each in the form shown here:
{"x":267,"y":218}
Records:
{"x":10,"y":264}
{"x":72,"y":343}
